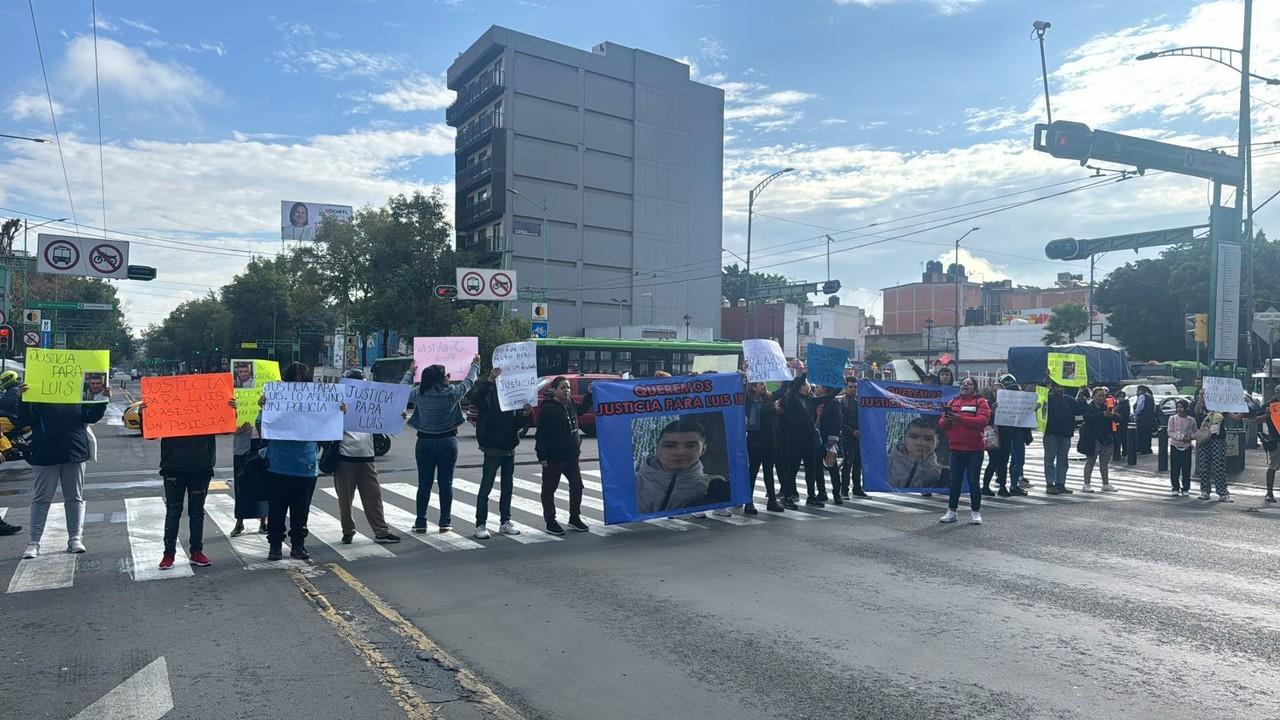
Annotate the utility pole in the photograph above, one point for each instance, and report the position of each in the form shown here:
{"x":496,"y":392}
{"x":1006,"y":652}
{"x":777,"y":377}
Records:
{"x":1038,"y":28}
{"x":751,"y":203}
{"x":959,"y":304}
{"x":1244,"y":199}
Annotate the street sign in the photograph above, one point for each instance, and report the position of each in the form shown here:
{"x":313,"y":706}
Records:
{"x":1075,"y":141}
{"x":31,"y":338}
{"x":67,"y":306}
{"x":46,"y":325}
{"x":30,"y":317}
{"x":1266,"y":325}
{"x":538,"y":329}
{"x":88,"y":257}
{"x":486,"y":284}
{"x":539,"y":311}
{"x":248,"y":346}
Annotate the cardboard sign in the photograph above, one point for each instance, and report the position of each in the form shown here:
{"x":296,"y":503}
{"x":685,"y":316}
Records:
{"x":248,"y":377}
{"x":826,"y":365}
{"x":67,"y":377}
{"x":302,"y":411}
{"x":374,"y":407}
{"x":715,"y":363}
{"x":1274,"y":410}
{"x":518,"y":383}
{"x":1068,"y":369}
{"x":185,"y":405}
{"x":765,"y":361}
{"x":1015,"y":408}
{"x":1224,"y":395}
{"x":1042,"y":408}
{"x":454,"y":353}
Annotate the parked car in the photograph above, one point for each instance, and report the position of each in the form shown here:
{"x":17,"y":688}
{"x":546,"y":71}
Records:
{"x":579,"y":385}
{"x":132,"y":417}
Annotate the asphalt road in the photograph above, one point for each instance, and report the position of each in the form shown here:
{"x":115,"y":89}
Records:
{"x":1135,"y":606}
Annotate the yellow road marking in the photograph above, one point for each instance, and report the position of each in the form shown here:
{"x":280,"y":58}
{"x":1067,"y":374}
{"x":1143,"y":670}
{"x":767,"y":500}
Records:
{"x":413,"y":704}
{"x":219,"y":485}
{"x":482,"y":693}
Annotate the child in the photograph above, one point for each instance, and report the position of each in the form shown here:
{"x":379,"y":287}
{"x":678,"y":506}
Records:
{"x":672,"y":477}
{"x":914,"y":462}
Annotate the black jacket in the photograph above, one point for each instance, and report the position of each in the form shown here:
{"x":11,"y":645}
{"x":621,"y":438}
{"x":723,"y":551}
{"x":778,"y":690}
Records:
{"x":1061,"y":420}
{"x":496,"y":429}
{"x":829,"y":418}
{"x":188,"y":457}
{"x":1098,"y":424}
{"x":58,"y":435}
{"x":796,"y":429}
{"x":9,"y":402}
{"x":557,"y":439}
{"x":762,"y":421}
{"x":848,"y":415}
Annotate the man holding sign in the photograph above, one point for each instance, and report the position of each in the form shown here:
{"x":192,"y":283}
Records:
{"x":355,"y":470}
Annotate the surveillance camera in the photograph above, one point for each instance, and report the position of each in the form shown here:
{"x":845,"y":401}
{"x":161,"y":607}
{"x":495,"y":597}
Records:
{"x":1040,"y":25}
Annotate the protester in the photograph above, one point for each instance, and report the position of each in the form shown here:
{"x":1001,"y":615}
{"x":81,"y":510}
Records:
{"x":1060,"y":427}
{"x":186,"y":467}
{"x":354,"y":472}
{"x":963,"y":419}
{"x":998,"y":456}
{"x":1144,"y":413}
{"x":830,"y":424}
{"x":798,"y":440}
{"x":762,"y":419}
{"x":1123,"y":414}
{"x":437,"y":413}
{"x":1098,"y":440}
{"x":291,"y":481}
{"x":58,"y":453}
{"x":1212,"y":452}
{"x":1182,"y":428}
{"x":946,"y":376}
{"x":1271,"y":440}
{"x":248,"y":493}
{"x":1006,"y":462}
{"x":851,"y":440}
{"x":558,"y":446}
{"x":10,"y":397}
{"x":498,"y":434}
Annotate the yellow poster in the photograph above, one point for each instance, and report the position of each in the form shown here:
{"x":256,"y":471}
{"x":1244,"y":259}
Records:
{"x":248,"y":377}
{"x":1042,"y":408}
{"x":67,"y":377}
{"x":1068,"y":369}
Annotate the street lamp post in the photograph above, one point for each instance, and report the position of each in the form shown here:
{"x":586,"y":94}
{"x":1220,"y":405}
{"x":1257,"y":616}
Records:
{"x":546,"y":231}
{"x":959,"y":305}
{"x":751,"y":202}
{"x":620,"y":302}
{"x":23,"y":137}
{"x":928,"y":342}
{"x":686,"y":326}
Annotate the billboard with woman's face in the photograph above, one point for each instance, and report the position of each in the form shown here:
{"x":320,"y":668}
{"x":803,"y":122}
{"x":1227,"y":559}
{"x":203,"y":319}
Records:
{"x":301,"y":220}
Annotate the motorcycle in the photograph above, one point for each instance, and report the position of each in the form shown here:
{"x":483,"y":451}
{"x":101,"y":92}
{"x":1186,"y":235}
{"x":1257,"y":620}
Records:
{"x":381,"y":445}
{"x":15,"y":442}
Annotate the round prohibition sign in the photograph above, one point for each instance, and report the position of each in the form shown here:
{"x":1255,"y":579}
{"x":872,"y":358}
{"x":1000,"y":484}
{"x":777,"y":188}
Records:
{"x":500,"y":284}
{"x":106,"y":259}
{"x":31,"y":338}
{"x":472,"y":284}
{"x":61,"y":255}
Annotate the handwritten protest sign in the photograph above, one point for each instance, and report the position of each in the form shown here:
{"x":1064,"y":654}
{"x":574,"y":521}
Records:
{"x":66,"y":377}
{"x":1042,"y":411}
{"x":518,"y":383}
{"x":248,"y":377}
{"x":1015,"y":408}
{"x":1224,"y":395}
{"x":1068,"y":369}
{"x":765,"y":361}
{"x":826,"y":365}
{"x":715,"y":363}
{"x":184,"y":405}
{"x":374,"y":407}
{"x":454,"y":353}
{"x":302,"y":411}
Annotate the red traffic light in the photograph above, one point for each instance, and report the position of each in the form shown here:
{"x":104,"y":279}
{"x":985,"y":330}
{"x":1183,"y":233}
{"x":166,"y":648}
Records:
{"x":446,"y":292}
{"x":5,"y":332}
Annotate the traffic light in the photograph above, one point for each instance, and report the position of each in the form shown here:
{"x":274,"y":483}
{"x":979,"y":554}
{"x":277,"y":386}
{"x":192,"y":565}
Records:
{"x":831,"y":287}
{"x":141,"y":272}
{"x":1202,"y":327}
{"x":6,"y":339}
{"x":1064,"y":139}
{"x":446,"y":292}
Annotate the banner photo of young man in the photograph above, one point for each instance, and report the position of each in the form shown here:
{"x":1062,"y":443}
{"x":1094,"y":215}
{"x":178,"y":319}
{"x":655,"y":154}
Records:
{"x":671,"y":446}
{"x":903,"y":449}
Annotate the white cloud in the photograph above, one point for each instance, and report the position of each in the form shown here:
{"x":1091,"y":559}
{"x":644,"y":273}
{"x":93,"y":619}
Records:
{"x":753,"y":103}
{"x":712,"y":49}
{"x":336,"y":62}
{"x":833,"y":121}
{"x":979,"y":269}
{"x":133,"y":74}
{"x":202,"y":46}
{"x":31,"y":107}
{"x":946,"y":7}
{"x":139,"y":25}
{"x":419,"y":93}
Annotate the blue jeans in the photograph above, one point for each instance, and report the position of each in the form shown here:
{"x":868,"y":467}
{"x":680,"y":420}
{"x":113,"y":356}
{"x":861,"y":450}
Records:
{"x":1055,"y":460}
{"x":965,"y":464}
{"x":435,"y":455}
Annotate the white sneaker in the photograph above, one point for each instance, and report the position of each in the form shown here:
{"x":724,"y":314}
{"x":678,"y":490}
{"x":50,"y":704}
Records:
{"x":1226,"y":498}
{"x":975,"y":517}
{"x":724,"y":512}
{"x":75,"y":546}
{"x":508,"y":529}
{"x":1185,"y":493}
{"x":948,"y":517}
{"x":1204,"y":496}
{"x":1174,"y":493}
{"x":700,"y":516}
{"x":1086,"y":488}
{"x":482,"y":532}
{"x":1106,"y":487}
{"x":32,"y":552}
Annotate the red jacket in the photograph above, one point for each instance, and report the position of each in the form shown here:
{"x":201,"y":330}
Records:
{"x":964,"y":429}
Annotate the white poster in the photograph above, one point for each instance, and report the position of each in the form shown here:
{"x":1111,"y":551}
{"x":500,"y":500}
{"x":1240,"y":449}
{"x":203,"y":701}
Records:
{"x":765,"y":361}
{"x":301,"y":220}
{"x":302,"y":411}
{"x":715,"y":363}
{"x":1015,"y":408}
{"x":1224,"y":395}
{"x":454,"y":353}
{"x":374,"y":407}
{"x":518,"y":383}
{"x":1226,"y":320}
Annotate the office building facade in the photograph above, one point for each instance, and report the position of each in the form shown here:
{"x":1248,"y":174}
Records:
{"x":621,"y":154}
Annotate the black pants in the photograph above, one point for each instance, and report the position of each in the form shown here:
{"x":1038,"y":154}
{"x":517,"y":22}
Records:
{"x":815,"y":474}
{"x":788,"y":468}
{"x":195,"y":489}
{"x":997,"y":465}
{"x":760,"y":456}
{"x":964,"y":465}
{"x":492,"y":464}
{"x":1180,"y":465}
{"x":851,"y":466}
{"x":290,"y":495}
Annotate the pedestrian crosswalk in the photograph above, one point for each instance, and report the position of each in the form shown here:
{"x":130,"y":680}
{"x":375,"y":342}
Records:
{"x":141,"y":519}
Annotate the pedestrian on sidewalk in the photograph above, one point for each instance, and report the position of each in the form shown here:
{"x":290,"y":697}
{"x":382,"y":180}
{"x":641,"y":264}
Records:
{"x":826,"y":410}
{"x":498,"y":434}
{"x":1182,"y":430}
{"x":558,"y":444}
{"x":292,"y":467}
{"x":437,"y":414}
{"x":963,"y":419}
{"x":851,"y":441}
{"x":762,"y":418}
{"x":1097,"y":439}
{"x":186,"y":467}
{"x":1211,"y":452}
{"x":1269,"y":433}
{"x":58,"y":453}
{"x":249,"y":491}
{"x":354,"y":472}
{"x":1060,"y":427}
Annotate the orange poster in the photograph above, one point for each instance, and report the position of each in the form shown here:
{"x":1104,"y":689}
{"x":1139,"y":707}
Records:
{"x":1275,"y":414}
{"x":184,"y":405}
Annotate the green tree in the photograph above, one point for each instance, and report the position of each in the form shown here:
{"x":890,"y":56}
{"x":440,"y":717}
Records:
{"x":879,"y":356}
{"x":733,"y":281}
{"x":486,"y":322}
{"x":85,"y":329}
{"x":1067,"y":322}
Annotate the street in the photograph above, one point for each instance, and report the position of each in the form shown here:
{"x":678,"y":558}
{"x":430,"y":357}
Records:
{"x":1081,"y":606}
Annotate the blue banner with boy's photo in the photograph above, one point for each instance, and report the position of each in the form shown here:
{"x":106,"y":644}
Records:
{"x":671,"y":446}
{"x":903,"y":449}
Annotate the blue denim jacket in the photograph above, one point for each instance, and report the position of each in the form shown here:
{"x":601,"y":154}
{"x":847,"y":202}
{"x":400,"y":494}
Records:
{"x":295,"y":458}
{"x":438,"y":410}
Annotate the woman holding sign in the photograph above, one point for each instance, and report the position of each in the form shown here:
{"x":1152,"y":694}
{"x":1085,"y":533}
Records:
{"x":291,"y":476}
{"x":963,"y":420}
{"x":437,"y":413}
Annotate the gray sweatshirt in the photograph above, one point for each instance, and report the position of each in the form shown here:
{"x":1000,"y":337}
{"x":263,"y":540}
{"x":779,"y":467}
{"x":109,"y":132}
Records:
{"x":688,"y":487}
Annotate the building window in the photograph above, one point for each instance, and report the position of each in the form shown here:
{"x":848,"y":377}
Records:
{"x":497,"y":114}
{"x":497,"y":235}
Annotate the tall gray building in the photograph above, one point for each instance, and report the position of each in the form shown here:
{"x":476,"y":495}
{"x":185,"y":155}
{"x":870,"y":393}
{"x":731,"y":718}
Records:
{"x":625,"y":153}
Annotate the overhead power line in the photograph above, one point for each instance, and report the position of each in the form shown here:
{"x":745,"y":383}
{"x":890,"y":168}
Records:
{"x":53,"y":116}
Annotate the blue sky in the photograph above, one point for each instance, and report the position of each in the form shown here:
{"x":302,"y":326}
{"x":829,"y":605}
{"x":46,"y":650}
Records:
{"x":212,"y":113}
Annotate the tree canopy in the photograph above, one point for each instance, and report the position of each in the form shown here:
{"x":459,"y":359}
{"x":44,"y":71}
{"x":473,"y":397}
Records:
{"x":1067,"y":322}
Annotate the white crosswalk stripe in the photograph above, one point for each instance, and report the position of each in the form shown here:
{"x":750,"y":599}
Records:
{"x":55,"y":568}
{"x":589,"y":501}
{"x":328,"y":530}
{"x":144,"y":518}
{"x":403,"y":521}
{"x":250,"y":548}
{"x":519,"y":502}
